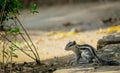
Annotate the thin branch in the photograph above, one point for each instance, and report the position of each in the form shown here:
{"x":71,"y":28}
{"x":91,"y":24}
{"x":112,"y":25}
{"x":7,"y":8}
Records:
{"x":11,"y":59}
{"x":26,"y":41}
{"x":38,"y":58}
{"x":28,"y":44}
{"x":3,"y":55}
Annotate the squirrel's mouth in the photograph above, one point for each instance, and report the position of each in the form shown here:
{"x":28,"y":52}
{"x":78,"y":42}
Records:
{"x":66,"y":48}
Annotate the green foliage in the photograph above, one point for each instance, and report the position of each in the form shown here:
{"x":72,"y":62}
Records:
{"x":13,"y":31}
{"x":8,"y":6}
{"x":8,"y":11}
{"x":34,"y":9}
{"x":12,"y":50}
{"x":14,"y":55}
{"x":16,"y":30}
{"x":10,"y":53}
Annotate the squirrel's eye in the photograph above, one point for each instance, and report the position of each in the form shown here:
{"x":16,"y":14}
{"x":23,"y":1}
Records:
{"x":70,"y":45}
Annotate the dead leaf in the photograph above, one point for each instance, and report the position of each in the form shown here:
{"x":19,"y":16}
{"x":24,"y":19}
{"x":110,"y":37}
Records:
{"x":40,"y":40}
{"x":100,"y":31}
{"x":72,"y":32}
{"x":51,"y":33}
{"x":110,"y":29}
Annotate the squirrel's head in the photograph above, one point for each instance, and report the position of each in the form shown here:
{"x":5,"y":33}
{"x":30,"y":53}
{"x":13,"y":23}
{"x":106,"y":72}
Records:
{"x":70,"y":45}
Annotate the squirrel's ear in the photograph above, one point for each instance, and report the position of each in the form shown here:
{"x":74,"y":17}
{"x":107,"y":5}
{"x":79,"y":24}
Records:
{"x":74,"y":42}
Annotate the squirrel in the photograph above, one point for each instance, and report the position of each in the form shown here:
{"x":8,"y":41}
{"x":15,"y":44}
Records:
{"x":88,"y":53}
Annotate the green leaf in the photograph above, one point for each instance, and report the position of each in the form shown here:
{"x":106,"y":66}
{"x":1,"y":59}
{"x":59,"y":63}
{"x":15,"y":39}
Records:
{"x":5,"y":52}
{"x":35,"y":7}
{"x":13,"y":49}
{"x":15,"y":30}
{"x":17,"y":44}
{"x":14,"y":55}
{"x":15,"y":10}
{"x":5,"y":56}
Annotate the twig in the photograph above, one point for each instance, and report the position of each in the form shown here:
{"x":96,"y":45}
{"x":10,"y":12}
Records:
{"x":26,"y":41}
{"x":3,"y":55}
{"x":38,"y":58}
{"x":11,"y":59}
{"x":28,"y":44}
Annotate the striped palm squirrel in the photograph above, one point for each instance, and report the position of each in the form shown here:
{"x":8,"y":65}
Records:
{"x":87,"y":53}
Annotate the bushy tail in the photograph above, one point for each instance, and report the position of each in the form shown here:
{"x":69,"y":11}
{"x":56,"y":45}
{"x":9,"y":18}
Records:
{"x":112,"y":63}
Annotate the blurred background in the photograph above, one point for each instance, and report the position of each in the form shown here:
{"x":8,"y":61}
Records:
{"x":54,"y":12}
{"x":28,"y":3}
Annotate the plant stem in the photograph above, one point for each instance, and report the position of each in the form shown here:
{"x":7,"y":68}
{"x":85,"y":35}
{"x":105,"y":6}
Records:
{"x":28,"y":44}
{"x":3,"y":55}
{"x":11,"y":59}
{"x":25,"y":40}
{"x":37,"y":58}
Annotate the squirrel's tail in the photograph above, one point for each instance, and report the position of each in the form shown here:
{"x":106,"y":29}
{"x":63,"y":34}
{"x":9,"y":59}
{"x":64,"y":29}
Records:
{"x":111,"y":62}
{"x":114,"y":63}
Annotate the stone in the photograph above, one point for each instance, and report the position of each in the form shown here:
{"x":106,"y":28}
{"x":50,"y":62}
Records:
{"x":109,"y":39}
{"x":110,"y":52}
